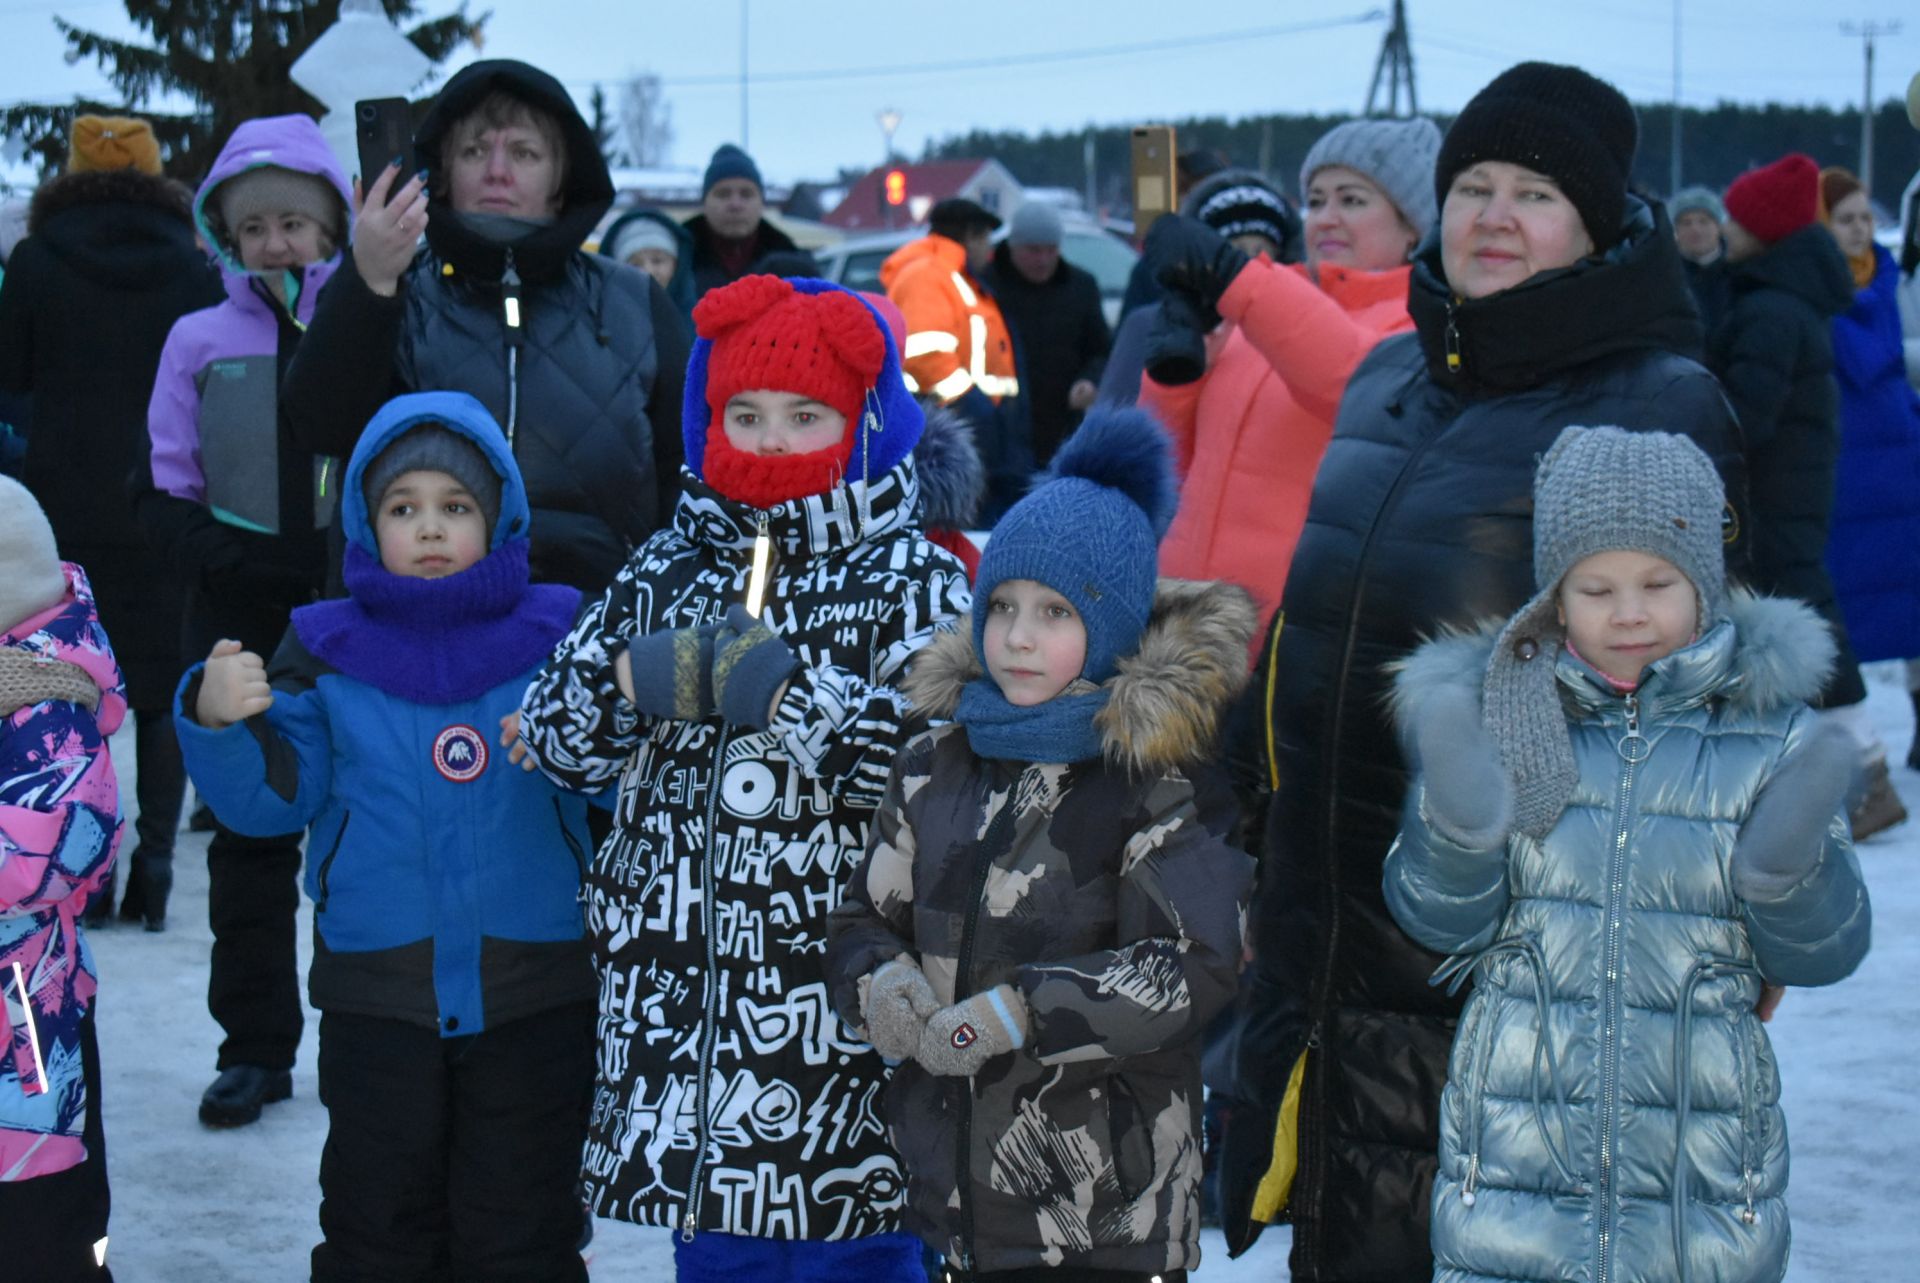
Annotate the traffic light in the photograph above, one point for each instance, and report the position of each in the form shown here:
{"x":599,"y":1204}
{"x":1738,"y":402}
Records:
{"x":896,"y":186}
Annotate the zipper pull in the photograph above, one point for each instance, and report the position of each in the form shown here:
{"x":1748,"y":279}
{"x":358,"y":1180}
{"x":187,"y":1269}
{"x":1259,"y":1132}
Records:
{"x":1467,"y":1196}
{"x":1633,"y":746}
{"x":1453,"y":342}
{"x":757,"y":578}
{"x":510,"y":303}
{"x":686,"y":1226}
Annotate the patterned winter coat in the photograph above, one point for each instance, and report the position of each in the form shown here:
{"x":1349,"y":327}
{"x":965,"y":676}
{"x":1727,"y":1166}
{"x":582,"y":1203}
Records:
{"x":729,"y":1096}
{"x":1104,"y":890}
{"x":1620,"y":932}
{"x":59,"y":827}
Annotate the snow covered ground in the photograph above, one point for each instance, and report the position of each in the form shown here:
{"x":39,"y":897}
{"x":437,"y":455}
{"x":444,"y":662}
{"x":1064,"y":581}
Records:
{"x":198,"y":1206}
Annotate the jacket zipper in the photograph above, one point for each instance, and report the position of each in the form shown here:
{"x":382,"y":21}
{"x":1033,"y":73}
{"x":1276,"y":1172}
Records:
{"x":579,"y":856}
{"x":992,"y":842}
{"x":516,"y":337}
{"x":710,"y":1009}
{"x":1306,"y":1235}
{"x":326,"y":865}
{"x":1633,"y":749}
{"x":1452,"y":337}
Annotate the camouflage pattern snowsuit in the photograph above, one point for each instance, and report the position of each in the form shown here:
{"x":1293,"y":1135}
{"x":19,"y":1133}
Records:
{"x":1105,"y":890}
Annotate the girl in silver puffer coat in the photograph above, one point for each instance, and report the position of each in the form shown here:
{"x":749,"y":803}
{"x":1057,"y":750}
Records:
{"x":1628,"y":829}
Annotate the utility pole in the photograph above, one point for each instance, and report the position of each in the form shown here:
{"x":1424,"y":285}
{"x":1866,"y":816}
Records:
{"x":1396,"y":64}
{"x":1868,"y":33}
{"x":743,"y":76}
{"x":1674,"y":174}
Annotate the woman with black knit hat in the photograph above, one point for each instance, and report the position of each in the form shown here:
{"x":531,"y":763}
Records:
{"x":1548,"y":296}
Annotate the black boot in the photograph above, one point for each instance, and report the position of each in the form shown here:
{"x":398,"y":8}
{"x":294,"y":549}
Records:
{"x":1913,"y":754}
{"x":149,"y":882}
{"x":99,"y":910}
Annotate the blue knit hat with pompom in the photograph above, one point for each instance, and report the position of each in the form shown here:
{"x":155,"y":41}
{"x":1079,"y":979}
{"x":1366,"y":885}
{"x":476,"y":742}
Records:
{"x":1090,"y":530}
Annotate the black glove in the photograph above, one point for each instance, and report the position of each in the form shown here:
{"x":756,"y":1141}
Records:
{"x":1191,"y":258}
{"x":1176,"y":347}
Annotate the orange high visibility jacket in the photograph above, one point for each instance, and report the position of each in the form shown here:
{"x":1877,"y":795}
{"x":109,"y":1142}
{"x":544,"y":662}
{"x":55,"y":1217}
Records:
{"x":956,"y":337}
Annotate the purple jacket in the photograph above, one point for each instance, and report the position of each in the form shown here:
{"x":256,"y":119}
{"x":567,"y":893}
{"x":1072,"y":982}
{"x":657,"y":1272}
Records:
{"x":219,"y":371}
{"x":59,"y":825}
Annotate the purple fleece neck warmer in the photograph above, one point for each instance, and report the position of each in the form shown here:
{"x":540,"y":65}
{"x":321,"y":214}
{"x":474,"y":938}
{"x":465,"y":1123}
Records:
{"x":438,"y":641}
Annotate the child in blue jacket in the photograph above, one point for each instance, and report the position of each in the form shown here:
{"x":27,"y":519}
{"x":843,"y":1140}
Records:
{"x":450,"y":966}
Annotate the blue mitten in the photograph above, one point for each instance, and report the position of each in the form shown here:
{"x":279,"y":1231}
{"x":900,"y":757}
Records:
{"x":750,"y":664}
{"x":672,"y":673}
{"x":1786,"y":831}
{"x":1469,"y":793}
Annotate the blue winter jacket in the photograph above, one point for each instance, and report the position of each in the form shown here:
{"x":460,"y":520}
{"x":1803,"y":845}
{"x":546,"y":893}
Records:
{"x":445,"y":880}
{"x":1612,"y":1107}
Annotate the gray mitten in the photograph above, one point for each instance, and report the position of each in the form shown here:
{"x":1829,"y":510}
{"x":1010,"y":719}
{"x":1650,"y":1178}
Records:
{"x":1786,"y":831}
{"x":959,"y":1039}
{"x":895,"y":1002}
{"x":1469,"y":793}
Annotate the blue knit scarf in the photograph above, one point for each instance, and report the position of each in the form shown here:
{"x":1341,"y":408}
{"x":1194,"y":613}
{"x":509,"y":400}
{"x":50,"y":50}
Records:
{"x":438,"y":641}
{"x":1060,"y":730}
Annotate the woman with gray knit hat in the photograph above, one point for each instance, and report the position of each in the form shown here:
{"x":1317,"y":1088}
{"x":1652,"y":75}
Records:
{"x":1249,"y":431}
{"x":1628,"y":828}
{"x":1546,"y":296}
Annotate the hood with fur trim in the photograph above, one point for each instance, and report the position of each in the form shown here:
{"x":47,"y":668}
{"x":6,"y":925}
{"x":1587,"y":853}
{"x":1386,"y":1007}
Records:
{"x":1782,"y":653}
{"x":953,"y":481}
{"x":1166,"y":698}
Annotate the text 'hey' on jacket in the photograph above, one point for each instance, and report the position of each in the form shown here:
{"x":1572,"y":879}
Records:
{"x":1612,"y":1108}
{"x":1421,"y":519}
{"x":1106,"y":891}
{"x":957,"y":340}
{"x":60,"y":825}
{"x":579,"y":358}
{"x":729,"y":1096}
{"x":445,"y":880}
{"x":1249,"y":434}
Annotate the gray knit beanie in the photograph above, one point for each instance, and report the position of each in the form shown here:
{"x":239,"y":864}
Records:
{"x":273,"y":190}
{"x":1688,"y":199}
{"x":1395,"y":155}
{"x":431,"y":448}
{"x":1597,"y":490}
{"x":30,"y":576}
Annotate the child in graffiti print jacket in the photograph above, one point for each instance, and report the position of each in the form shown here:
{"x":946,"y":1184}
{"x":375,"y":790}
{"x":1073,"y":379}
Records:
{"x":751,"y":752}
{"x":1050,"y":913}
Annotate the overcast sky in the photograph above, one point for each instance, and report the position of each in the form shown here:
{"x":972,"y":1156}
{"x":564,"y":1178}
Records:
{"x":820,"y":72}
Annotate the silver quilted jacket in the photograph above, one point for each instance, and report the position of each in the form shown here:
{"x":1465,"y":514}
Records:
{"x":1612,"y":1107}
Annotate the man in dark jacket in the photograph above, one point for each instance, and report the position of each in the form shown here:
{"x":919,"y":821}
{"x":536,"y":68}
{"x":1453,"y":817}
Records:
{"x":108,"y":266}
{"x":580,"y":359}
{"x":1059,"y":331}
{"x":731,"y":233}
{"x":1773,"y":351}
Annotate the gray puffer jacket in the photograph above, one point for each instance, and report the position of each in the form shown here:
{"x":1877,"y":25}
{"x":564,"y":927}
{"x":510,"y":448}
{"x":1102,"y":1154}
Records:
{"x":1106,"y":891}
{"x":1612,"y":1108}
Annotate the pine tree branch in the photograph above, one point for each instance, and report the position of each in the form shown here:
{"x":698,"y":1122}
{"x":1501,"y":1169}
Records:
{"x":440,"y":37}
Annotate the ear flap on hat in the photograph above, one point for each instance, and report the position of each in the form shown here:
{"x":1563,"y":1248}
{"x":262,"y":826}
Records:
{"x":745,"y":300}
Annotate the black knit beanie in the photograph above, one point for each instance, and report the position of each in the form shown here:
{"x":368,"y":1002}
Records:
{"x":1559,"y":121}
{"x":432,"y":448}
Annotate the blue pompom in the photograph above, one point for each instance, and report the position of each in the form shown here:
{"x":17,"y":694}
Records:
{"x":1126,"y":450}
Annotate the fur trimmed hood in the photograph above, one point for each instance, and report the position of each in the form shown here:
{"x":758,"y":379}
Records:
{"x":1167,"y":697}
{"x":953,"y":481}
{"x":97,"y":187}
{"x":1782,"y":652}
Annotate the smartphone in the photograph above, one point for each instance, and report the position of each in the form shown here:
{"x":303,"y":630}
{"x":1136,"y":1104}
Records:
{"x":1154,"y":192}
{"x":384,"y":128}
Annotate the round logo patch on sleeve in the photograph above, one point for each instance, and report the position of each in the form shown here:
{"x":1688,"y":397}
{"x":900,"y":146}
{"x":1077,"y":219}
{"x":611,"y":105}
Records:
{"x":460,"y":754}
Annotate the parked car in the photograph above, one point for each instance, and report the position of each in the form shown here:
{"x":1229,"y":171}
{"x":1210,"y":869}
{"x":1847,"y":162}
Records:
{"x":855,"y":262}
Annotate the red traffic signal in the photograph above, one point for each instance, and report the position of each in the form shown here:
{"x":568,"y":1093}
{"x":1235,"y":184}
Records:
{"x":896,"y":186}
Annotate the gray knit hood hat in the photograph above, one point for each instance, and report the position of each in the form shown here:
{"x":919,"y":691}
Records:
{"x":431,"y":448}
{"x":1597,"y":490}
{"x":1395,"y":155}
{"x":1688,"y":199}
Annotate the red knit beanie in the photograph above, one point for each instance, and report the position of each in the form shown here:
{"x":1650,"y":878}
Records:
{"x":769,"y":337}
{"x":1777,"y":200}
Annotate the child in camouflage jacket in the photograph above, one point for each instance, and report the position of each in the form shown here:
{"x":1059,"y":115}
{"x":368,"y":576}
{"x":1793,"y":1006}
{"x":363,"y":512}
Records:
{"x":1049,"y":912}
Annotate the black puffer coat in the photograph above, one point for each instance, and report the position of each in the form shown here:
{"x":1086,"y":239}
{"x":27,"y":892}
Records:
{"x":1421,"y":520}
{"x":108,"y":266}
{"x":588,"y":388}
{"x":1773,"y":351}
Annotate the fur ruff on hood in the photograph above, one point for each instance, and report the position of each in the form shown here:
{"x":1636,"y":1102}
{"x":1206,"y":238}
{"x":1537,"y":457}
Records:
{"x":1167,"y":697}
{"x":952,"y":479}
{"x":1782,"y":654}
{"x":95,"y":187}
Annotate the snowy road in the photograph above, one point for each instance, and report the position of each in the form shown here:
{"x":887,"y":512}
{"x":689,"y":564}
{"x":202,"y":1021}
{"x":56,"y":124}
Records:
{"x":198,"y":1206}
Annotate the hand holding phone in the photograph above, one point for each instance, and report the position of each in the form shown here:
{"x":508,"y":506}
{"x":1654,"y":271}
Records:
{"x":383,"y":128}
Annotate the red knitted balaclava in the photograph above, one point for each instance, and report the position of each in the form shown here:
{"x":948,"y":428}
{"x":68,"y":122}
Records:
{"x":769,"y":337}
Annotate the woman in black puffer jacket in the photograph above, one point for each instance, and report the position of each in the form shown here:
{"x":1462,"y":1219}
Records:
{"x":1549,"y":297}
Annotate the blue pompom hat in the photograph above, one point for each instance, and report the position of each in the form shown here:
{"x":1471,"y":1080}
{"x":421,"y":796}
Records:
{"x":1090,"y":530}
